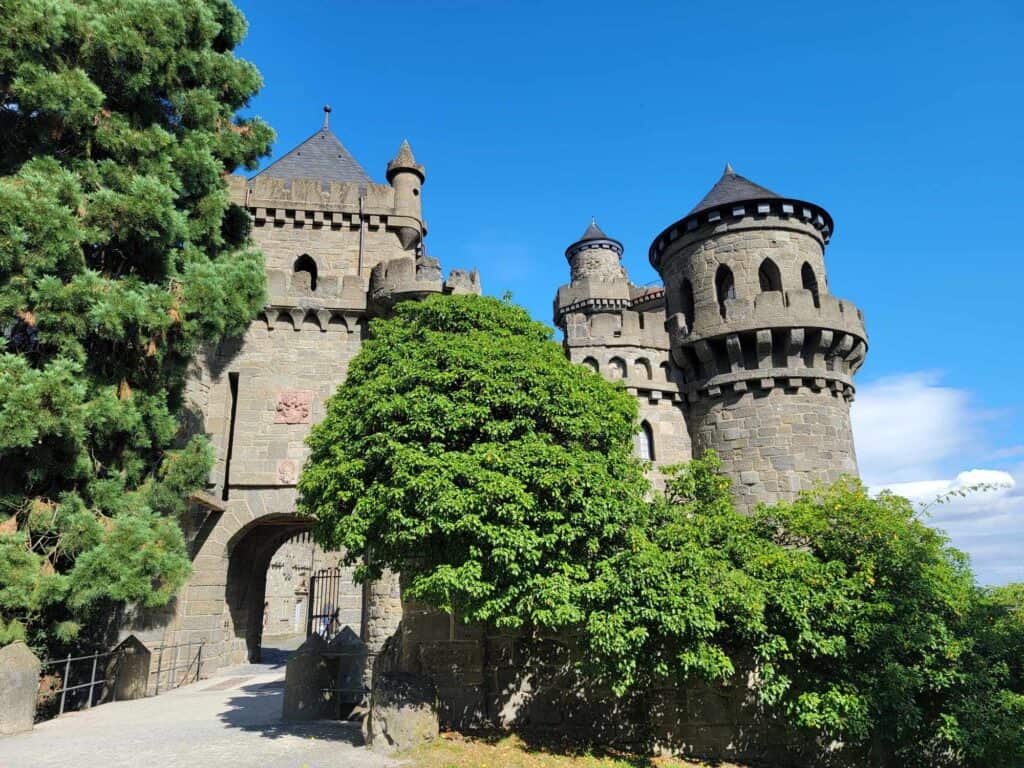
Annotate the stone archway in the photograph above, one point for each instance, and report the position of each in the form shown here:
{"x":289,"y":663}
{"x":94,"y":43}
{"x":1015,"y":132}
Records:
{"x":249,"y":554}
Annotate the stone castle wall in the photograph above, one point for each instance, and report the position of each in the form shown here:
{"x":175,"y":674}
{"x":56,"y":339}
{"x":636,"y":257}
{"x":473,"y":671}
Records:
{"x":776,"y":442}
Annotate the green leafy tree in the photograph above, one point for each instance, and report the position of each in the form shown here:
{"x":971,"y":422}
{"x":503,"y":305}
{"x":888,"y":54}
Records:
{"x":860,"y":622}
{"x":465,"y":451}
{"x":119,"y":255}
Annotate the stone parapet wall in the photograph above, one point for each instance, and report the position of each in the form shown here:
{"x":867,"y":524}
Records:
{"x":530,"y":684}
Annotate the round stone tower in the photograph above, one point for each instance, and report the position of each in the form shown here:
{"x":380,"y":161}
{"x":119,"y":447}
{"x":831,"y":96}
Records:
{"x":595,"y":256}
{"x":767,"y":354}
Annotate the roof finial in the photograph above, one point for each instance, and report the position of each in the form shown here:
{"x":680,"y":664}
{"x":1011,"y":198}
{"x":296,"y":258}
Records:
{"x":327,"y":116}
{"x":728,"y":169}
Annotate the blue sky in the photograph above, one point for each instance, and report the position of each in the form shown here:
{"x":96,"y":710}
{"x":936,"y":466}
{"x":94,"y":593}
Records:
{"x":903,"y":120}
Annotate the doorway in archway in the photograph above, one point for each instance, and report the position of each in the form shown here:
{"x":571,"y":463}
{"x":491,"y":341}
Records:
{"x":269,"y":568}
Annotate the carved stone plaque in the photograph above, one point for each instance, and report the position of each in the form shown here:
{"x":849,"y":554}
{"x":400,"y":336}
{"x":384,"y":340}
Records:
{"x":287,"y":472}
{"x":294,"y":406}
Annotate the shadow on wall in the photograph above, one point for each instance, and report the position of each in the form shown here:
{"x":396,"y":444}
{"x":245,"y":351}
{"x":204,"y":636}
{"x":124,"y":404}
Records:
{"x":532,"y":685}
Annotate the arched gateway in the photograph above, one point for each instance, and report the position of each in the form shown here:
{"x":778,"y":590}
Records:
{"x":338,"y":248}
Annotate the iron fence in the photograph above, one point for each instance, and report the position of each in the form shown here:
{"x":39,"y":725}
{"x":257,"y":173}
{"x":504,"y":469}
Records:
{"x":71,"y":665}
{"x":174,"y":668}
{"x":325,"y":593}
{"x":190,"y":665}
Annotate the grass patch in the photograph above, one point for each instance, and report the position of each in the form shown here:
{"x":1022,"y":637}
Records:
{"x":454,"y":750}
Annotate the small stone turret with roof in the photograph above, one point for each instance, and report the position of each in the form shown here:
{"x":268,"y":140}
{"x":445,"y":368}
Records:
{"x":767,"y":354}
{"x":617,"y":328}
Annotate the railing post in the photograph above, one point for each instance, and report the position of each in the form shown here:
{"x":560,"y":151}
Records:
{"x":199,"y":658}
{"x":64,"y":687}
{"x":159,"y":666}
{"x":92,"y":680}
{"x":309,"y":605}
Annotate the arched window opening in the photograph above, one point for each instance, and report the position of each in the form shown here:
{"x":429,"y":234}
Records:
{"x":687,"y":297}
{"x":725,"y":287}
{"x":592,"y":364}
{"x":305,"y":271}
{"x":642,"y":369}
{"x":810,"y":282}
{"x":769,"y":276}
{"x":617,"y":368}
{"x":644,"y":442}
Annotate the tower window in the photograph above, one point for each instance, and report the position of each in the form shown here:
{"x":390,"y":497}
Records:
{"x":644,"y":442}
{"x":769,"y":276}
{"x":305,"y":271}
{"x":687,"y":299}
{"x":725,"y":287}
{"x":810,"y":282}
{"x":642,"y":369}
{"x":616,"y":368}
{"x":592,"y":364}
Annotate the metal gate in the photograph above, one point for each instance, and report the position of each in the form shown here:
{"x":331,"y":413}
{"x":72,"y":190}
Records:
{"x":325,"y":594}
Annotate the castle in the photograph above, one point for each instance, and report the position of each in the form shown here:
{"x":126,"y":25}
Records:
{"x":743,"y":350}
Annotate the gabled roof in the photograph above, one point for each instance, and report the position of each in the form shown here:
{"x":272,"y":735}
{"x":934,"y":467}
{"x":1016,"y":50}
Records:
{"x":731,"y":188}
{"x":321,"y":157}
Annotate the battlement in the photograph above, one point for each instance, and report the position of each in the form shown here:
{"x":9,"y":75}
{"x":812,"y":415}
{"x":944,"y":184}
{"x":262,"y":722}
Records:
{"x":332,"y":291}
{"x":779,"y":339}
{"x":771,"y":309}
{"x":757,"y":213}
{"x":407,"y":278}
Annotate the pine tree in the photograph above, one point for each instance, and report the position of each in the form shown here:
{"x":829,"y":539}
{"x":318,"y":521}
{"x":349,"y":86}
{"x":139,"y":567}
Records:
{"x":120,"y":254}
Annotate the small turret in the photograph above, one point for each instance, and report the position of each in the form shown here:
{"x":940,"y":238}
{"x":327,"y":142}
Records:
{"x":407,"y":177}
{"x":595,"y":256}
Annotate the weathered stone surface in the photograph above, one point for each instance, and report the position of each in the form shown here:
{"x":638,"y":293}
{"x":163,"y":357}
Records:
{"x":307,"y":675}
{"x":19,"y":684}
{"x":403,"y":712}
{"x":133,"y":663}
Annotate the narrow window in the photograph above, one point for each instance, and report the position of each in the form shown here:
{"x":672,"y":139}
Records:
{"x":687,"y":297}
{"x":725,"y":287}
{"x":233,"y":386}
{"x":769,"y":276}
{"x":810,"y":282}
{"x":642,"y":369}
{"x":617,"y":368}
{"x":305,"y":272}
{"x":644,"y":442}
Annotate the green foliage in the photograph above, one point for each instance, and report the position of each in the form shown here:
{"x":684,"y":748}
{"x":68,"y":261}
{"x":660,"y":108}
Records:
{"x":119,"y":255}
{"x":465,"y":451}
{"x":860,"y":622}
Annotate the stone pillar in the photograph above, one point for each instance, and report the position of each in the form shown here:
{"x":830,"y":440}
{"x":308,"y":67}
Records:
{"x":382,"y":613}
{"x":131,"y":669}
{"x":19,"y":685}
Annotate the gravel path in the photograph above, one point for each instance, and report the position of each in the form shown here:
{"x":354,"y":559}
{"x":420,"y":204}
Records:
{"x":232,"y":719}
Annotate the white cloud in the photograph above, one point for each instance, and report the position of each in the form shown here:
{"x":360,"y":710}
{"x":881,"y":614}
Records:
{"x":908,"y":426}
{"x":912,"y":434}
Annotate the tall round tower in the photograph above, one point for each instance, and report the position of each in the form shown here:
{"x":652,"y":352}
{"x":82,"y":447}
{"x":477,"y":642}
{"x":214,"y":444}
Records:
{"x":767,"y":354}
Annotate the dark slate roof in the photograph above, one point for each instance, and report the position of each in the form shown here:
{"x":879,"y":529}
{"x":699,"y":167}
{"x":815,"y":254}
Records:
{"x":322,"y":157}
{"x":731,"y":188}
{"x":593,"y":232}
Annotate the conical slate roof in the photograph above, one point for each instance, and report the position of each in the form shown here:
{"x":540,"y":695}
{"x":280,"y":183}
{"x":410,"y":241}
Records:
{"x":321,"y":157}
{"x":593,"y":232}
{"x":731,"y":188}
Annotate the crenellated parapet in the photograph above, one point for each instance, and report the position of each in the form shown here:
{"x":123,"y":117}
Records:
{"x":408,"y":278}
{"x":776,"y":339}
